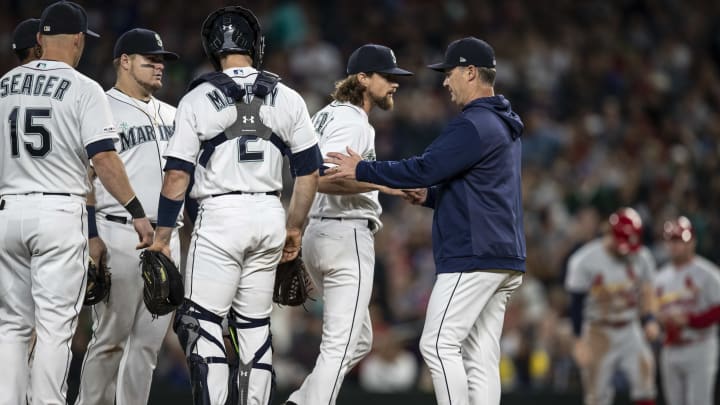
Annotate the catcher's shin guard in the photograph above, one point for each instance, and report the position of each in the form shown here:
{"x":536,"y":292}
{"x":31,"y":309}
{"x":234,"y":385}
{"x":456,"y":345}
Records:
{"x":240,"y":371}
{"x":188,"y":329}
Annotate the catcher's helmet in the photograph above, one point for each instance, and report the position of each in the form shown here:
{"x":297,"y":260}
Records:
{"x":680,"y":228}
{"x":233,"y":29}
{"x":626,"y":229}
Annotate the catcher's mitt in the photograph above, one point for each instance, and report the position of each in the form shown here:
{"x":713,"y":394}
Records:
{"x":292,"y":283}
{"x":99,"y":281}
{"x":163,"y":288}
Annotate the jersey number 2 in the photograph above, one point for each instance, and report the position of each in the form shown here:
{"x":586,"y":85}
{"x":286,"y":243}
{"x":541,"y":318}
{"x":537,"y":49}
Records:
{"x":31,"y":128}
{"x":245,"y":155}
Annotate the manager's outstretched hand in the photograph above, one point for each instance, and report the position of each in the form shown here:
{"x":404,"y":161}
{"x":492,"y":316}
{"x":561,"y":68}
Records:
{"x":346,"y":165}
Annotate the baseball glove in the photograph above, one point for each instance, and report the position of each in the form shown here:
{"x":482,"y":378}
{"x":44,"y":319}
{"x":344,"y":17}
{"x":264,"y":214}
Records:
{"x":98,"y":283}
{"x":292,"y":283}
{"x":163,"y":289}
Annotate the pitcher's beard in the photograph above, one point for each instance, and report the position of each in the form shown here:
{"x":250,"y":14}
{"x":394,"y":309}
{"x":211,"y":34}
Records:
{"x":386,"y":103}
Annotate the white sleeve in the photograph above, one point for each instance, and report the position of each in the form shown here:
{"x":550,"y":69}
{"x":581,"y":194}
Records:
{"x":185,"y":142}
{"x":96,"y":120}
{"x":578,"y":277}
{"x":302,"y":134}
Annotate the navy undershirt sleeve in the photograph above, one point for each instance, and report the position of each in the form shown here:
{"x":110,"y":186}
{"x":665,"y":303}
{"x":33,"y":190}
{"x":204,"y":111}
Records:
{"x":577,"y":304}
{"x":103,"y":145}
{"x":306,"y":162}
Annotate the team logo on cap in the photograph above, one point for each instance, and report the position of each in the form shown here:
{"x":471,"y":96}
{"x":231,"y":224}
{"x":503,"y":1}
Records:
{"x":46,"y":28}
{"x":14,"y":46}
{"x":159,"y":41}
{"x":462,"y":60}
{"x":392,"y":54}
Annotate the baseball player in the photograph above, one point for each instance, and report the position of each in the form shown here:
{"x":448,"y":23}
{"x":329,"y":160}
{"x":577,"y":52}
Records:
{"x":688,"y":290}
{"x":122,"y":353}
{"x":231,"y":130}
{"x":24,"y":41}
{"x":27,"y":49}
{"x":338,"y":244}
{"x":471,"y":177}
{"x":612,"y":310}
{"x":56,"y":120}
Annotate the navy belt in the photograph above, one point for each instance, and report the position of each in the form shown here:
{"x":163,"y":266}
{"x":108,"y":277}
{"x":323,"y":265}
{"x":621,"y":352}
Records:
{"x":275,"y":193}
{"x":62,"y":194}
{"x":124,"y":220}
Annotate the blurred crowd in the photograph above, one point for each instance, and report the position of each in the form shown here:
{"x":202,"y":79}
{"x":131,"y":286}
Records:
{"x":621,"y":102}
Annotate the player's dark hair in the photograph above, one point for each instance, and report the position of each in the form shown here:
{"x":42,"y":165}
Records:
{"x":349,"y":90}
{"x":487,"y":75}
{"x":22,"y":54}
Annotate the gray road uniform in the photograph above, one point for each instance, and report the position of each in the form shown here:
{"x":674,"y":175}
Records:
{"x":688,"y":362}
{"x":612,"y":319}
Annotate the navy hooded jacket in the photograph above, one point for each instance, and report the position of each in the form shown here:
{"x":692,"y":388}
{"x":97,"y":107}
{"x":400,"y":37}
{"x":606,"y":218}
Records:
{"x":473,"y":174}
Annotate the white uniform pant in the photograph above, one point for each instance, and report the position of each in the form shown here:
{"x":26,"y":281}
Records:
{"x":126,"y":340}
{"x":235,"y":248}
{"x":461,"y":338}
{"x":688,"y":372}
{"x":340,"y":257}
{"x":43,"y":266}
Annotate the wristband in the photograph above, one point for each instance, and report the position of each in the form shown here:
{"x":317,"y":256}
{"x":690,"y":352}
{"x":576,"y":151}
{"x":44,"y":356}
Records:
{"x":92,"y":224}
{"x":647,"y":318}
{"x":168,"y":211}
{"x":135,"y":208}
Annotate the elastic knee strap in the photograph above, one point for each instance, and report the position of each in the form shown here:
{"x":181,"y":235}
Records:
{"x":240,"y":372}
{"x":188,"y":329}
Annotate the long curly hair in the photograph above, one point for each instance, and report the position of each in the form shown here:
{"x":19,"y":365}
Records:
{"x":349,"y":90}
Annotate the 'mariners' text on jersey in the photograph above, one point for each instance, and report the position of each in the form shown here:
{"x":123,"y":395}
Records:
{"x":134,"y":136}
{"x":31,"y":84}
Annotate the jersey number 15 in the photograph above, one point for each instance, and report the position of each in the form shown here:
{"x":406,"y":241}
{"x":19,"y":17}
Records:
{"x":31,"y":128}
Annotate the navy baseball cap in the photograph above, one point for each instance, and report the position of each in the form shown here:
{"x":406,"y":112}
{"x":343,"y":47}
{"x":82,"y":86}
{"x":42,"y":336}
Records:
{"x":25,"y":34}
{"x":465,"y":52}
{"x":141,"y":41}
{"x":65,"y":17}
{"x":373,"y":58}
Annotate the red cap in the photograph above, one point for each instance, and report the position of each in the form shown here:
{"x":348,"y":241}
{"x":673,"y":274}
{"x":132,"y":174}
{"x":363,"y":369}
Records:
{"x":626,"y":228}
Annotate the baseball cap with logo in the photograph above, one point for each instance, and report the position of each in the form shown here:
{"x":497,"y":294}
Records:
{"x":373,"y":58}
{"x":141,"y":41}
{"x":65,"y":17}
{"x":24,"y":36}
{"x":465,"y":52}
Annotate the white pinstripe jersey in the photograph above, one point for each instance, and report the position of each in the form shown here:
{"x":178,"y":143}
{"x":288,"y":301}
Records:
{"x":49,"y":113}
{"x":246,"y":163}
{"x":144,"y":130}
{"x":339,"y":125}
{"x":692,"y":288}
